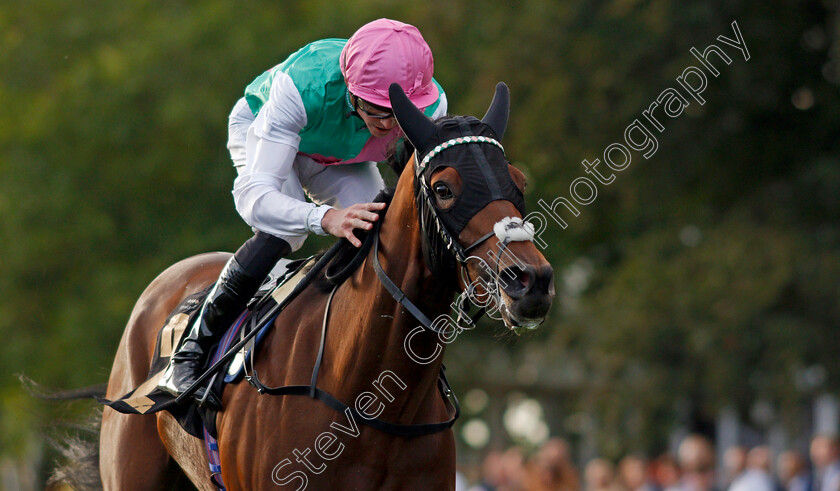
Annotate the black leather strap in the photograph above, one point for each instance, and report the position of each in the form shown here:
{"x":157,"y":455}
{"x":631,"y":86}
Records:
{"x":314,"y":381}
{"x":479,"y":242}
{"x":314,"y":392}
{"x":454,"y":408}
{"x":395,"y":291}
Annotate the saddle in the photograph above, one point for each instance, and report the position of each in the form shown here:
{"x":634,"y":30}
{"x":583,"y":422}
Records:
{"x":147,"y":398}
{"x":326,"y":271}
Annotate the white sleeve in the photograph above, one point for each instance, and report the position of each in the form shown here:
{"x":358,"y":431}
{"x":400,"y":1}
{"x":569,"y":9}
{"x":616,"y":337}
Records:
{"x":440,"y":111}
{"x":284,"y":113}
{"x":267,"y":194}
{"x":239,"y":121}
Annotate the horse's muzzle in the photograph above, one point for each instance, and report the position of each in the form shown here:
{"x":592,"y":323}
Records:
{"x":529,"y":289}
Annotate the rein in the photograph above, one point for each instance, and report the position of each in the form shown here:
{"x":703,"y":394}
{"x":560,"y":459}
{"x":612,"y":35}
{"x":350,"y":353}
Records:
{"x":453,"y":247}
{"x":313,"y":391}
{"x":400,"y":296}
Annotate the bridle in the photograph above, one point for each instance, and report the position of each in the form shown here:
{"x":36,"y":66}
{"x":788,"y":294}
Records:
{"x":425,"y":201}
{"x":442,"y":252}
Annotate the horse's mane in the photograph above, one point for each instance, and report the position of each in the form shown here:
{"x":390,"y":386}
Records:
{"x":348,"y":258}
{"x":399,"y":155}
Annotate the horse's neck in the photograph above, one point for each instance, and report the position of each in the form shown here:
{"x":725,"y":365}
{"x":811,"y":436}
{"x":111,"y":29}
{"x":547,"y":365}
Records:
{"x":380,"y":336}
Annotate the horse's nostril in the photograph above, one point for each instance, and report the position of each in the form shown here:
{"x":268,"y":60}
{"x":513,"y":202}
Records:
{"x":525,"y":279}
{"x":515,"y":281}
{"x":544,"y":278}
{"x":518,"y":282}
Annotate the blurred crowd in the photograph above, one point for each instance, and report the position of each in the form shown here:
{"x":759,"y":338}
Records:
{"x":694,"y":467}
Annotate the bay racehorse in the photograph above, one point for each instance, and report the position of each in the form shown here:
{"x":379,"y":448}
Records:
{"x":450,"y":202}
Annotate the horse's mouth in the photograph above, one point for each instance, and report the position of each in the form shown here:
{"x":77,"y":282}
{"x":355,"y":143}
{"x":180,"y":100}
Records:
{"x":520,"y":313}
{"x":516,"y":324}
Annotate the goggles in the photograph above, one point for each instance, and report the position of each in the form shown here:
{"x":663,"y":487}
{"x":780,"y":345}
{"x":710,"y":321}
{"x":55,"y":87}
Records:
{"x":372,"y":111}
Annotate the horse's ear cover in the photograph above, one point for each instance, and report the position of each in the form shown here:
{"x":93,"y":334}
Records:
{"x":418,"y":128}
{"x":499,"y":111}
{"x":482,"y":166}
{"x":471,"y":147}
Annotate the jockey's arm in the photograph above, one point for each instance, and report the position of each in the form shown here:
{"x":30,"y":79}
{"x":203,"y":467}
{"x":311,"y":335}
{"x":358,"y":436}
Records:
{"x":272,"y":145}
{"x":260,"y":200}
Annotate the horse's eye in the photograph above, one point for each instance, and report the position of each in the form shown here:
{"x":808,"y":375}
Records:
{"x":442,"y":191}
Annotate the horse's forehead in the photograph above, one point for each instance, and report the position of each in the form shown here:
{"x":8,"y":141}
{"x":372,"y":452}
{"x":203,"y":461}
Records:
{"x":455,"y":126}
{"x":461,"y":156}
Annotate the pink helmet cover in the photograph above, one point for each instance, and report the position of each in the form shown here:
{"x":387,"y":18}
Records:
{"x":386,"y":51}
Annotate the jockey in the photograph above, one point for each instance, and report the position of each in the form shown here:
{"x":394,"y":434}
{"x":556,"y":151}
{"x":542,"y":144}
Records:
{"x":315,"y":125}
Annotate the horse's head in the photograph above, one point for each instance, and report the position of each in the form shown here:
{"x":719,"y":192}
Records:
{"x":470,"y":204}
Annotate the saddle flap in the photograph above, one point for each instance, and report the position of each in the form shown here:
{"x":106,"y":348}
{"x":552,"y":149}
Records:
{"x":278,"y":294}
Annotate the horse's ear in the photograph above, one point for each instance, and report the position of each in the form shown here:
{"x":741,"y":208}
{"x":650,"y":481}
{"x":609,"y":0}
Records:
{"x":418,"y":128}
{"x":497,"y":116}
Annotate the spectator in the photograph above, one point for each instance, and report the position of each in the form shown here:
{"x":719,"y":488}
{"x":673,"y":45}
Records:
{"x":632,"y":474}
{"x":666,"y":473}
{"x":757,"y":477}
{"x":792,"y":471}
{"x":551,"y":469}
{"x":491,"y":472}
{"x":599,"y":475}
{"x":825,"y":455}
{"x":696,"y":458}
{"x":734,"y":463}
{"x":513,"y":470}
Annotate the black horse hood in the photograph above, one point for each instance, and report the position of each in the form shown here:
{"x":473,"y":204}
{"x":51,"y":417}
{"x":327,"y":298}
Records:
{"x":470,"y":146}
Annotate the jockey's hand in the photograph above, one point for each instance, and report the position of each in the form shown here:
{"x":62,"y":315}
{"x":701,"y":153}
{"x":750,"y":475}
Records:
{"x":341,"y":223}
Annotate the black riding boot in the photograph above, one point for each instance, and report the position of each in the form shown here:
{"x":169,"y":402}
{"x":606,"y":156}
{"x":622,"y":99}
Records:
{"x":237,"y":283}
{"x":223,"y":305}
